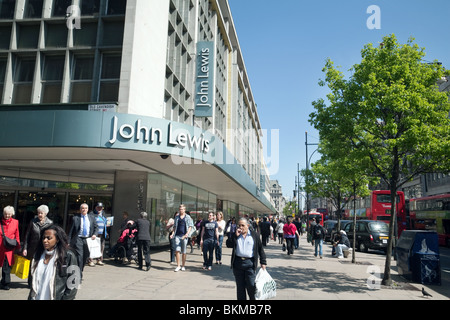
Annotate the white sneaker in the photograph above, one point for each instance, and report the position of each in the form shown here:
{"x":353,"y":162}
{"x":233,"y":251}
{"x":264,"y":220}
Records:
{"x":183,"y":269}
{"x":177,"y":269}
{"x":341,"y":257}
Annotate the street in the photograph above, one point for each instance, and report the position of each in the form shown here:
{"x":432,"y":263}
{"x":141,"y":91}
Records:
{"x":298,"y":277}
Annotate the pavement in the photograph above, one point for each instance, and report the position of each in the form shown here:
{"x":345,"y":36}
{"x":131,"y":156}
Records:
{"x":298,"y":277}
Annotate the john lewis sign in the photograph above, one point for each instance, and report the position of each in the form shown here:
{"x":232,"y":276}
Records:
{"x":204,"y":79}
{"x":146,"y":134}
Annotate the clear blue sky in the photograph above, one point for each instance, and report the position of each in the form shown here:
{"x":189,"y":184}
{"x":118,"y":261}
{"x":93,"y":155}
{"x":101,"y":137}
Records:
{"x":285,"y":44}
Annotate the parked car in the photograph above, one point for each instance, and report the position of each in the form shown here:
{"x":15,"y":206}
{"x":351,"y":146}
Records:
{"x":333,"y":230}
{"x":370,"y":234}
{"x":329,"y":225}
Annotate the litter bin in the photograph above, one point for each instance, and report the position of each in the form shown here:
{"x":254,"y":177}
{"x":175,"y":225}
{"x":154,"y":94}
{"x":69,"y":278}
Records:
{"x":418,"y":256}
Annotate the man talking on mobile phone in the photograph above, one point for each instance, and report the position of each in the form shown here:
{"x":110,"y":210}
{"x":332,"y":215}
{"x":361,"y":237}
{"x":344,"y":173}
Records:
{"x":247,"y":249}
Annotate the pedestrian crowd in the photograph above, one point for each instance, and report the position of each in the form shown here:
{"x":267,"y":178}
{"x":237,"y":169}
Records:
{"x":57,"y":259}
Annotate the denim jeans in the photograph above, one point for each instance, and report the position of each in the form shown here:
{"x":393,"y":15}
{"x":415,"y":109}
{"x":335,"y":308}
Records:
{"x":290,"y":245}
{"x":340,"y":248}
{"x":172,"y":249}
{"x":318,"y":243}
{"x":208,"y":248}
{"x":218,"y":248}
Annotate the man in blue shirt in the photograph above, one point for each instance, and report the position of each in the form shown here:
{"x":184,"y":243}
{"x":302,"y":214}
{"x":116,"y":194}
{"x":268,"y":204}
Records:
{"x":182,"y":228}
{"x":99,"y":215}
{"x":247,"y":248}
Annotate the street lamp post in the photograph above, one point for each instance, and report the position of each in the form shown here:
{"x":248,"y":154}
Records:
{"x":298,"y":190}
{"x":306,"y":177}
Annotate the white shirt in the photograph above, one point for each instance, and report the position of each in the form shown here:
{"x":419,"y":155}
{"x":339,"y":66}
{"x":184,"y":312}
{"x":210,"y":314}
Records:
{"x":245,"y":245}
{"x":43,"y":278}
{"x":222,"y":225}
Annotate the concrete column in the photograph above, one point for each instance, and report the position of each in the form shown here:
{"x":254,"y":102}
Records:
{"x":130,"y":194}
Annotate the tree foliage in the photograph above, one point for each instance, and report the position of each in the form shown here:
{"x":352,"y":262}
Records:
{"x":389,"y":117}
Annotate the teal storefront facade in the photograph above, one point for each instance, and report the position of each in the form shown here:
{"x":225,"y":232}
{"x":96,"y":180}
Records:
{"x":134,"y":163}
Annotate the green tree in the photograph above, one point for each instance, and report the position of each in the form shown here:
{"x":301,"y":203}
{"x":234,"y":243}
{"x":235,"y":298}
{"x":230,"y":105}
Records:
{"x":324,"y":180}
{"x":391,"y":116}
{"x":290,"y":209}
{"x":339,"y":180}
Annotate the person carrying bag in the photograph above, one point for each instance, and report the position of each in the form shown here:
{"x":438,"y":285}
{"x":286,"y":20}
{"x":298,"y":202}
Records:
{"x":9,"y":243}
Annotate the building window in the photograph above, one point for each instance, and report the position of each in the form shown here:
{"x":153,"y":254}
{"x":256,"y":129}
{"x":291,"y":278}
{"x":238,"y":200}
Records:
{"x":116,"y":7}
{"x":56,"y":36}
{"x":82,"y":74}
{"x":7,"y":9}
{"x":33,"y":9}
{"x":113,"y":33}
{"x":23,"y":79}
{"x":3,"y":61}
{"x":86,"y":36}
{"x":52,"y":77}
{"x":60,"y":7}
{"x":27,"y":36}
{"x":5,"y":37}
{"x":110,"y":78}
{"x":90,"y":7}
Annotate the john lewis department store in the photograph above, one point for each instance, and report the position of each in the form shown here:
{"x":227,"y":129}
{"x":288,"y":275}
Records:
{"x":140,"y":104}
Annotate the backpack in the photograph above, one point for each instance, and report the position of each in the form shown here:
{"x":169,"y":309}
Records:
{"x":318,"y":231}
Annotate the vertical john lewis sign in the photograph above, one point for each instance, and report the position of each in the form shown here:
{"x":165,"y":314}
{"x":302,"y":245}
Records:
{"x":204,"y":84}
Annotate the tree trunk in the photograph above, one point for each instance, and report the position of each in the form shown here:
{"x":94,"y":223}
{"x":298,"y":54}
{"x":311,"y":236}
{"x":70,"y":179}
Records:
{"x":354,"y":224}
{"x":387,"y":280}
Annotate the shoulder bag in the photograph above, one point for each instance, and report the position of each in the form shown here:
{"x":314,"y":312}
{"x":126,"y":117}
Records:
{"x":8,"y":242}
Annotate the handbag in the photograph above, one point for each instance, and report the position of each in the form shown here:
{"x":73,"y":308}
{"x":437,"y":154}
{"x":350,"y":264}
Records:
{"x":21,"y":267}
{"x":266,"y":287}
{"x":229,"y":242}
{"x":8,"y":242}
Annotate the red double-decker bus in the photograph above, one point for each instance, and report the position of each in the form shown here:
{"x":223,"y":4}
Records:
{"x":377,"y":206}
{"x":432,"y":213}
{"x":320,"y":213}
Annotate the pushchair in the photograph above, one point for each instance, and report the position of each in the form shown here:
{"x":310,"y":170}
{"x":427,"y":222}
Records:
{"x":126,"y":247}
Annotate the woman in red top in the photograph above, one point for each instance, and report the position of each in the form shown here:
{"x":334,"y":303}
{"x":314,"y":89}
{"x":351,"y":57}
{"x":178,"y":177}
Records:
{"x":289,"y":231}
{"x":11,"y":228}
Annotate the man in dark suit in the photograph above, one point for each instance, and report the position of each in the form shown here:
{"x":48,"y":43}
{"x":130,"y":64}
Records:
{"x":247,"y":250}
{"x":264,"y":227}
{"x":84,"y":226}
{"x":143,"y":240}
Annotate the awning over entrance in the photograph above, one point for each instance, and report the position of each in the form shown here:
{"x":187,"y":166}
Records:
{"x":89,"y":147}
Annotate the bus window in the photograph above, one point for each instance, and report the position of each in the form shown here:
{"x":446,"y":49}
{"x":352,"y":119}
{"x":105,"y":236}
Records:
{"x":386,"y":198}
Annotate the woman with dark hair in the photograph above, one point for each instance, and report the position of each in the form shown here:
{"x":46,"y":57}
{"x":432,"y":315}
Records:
{"x":54,"y":269}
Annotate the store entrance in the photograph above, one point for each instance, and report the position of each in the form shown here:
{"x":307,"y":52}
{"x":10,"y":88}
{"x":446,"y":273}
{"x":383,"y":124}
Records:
{"x":28,"y":202}
{"x":62,"y":205}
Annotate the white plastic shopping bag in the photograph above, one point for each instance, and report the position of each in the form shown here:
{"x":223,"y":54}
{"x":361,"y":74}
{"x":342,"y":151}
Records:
{"x":94,"y":248}
{"x":266,"y":287}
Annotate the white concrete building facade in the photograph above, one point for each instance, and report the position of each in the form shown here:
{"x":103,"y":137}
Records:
{"x":140,"y":104}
